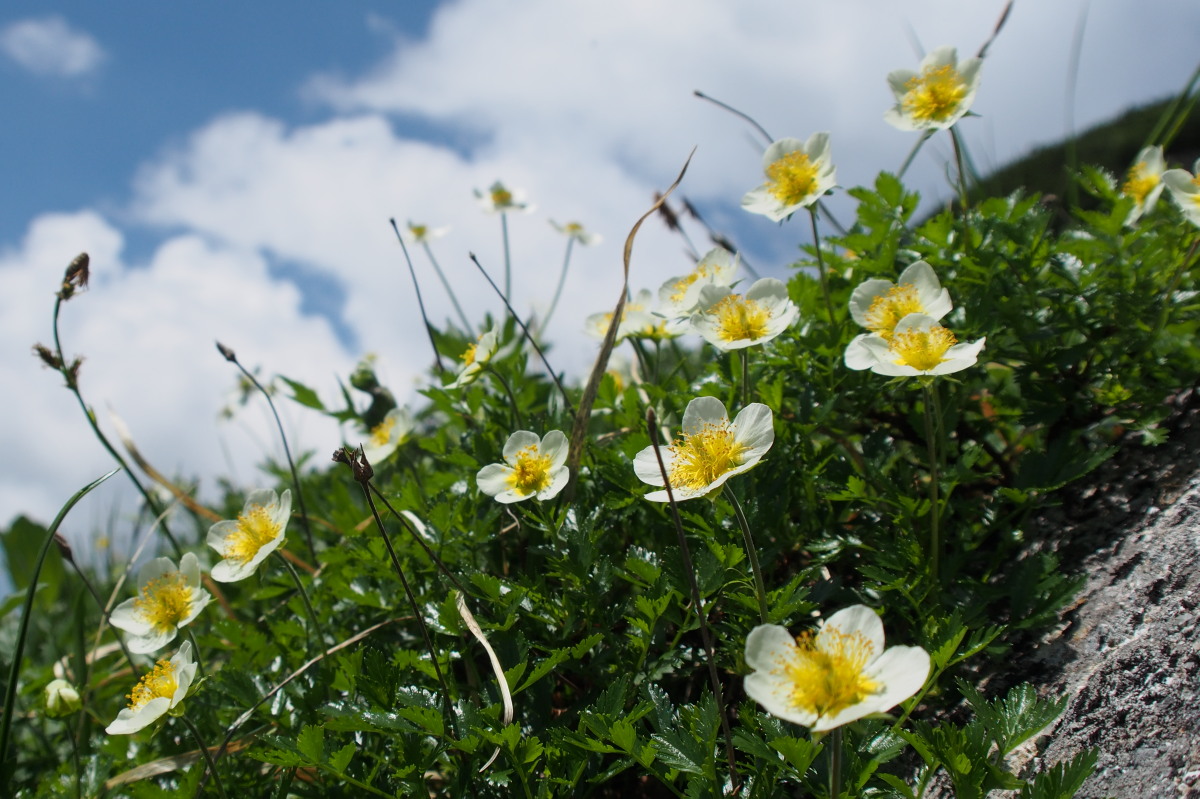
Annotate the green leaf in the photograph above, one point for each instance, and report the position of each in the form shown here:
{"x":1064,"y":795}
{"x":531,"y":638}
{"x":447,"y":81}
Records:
{"x":340,"y":759}
{"x":304,"y":395}
{"x":311,"y":743}
{"x":1062,"y":780}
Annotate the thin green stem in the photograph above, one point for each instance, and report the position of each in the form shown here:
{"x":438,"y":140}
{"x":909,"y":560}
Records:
{"x":935,"y":544}
{"x":287,"y":451}
{"x":14,"y":671}
{"x":835,"y":763}
{"x":462,"y":317}
{"x":821,"y":272}
{"x":745,"y":377}
{"x":208,"y":759}
{"x":1172,"y":285}
{"x":913,"y":153}
{"x":308,"y":606}
{"x":199,"y":661}
{"x":69,"y":375}
{"x":412,"y":273}
{"x":962,"y":172}
{"x":562,"y":279}
{"x":507,"y":258}
{"x":760,"y":586}
{"x":512,"y":398}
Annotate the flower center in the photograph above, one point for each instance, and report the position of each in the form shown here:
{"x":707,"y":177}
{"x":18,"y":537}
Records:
{"x":531,"y":472}
{"x":704,"y":456}
{"x":935,"y":94}
{"x":418,"y":231}
{"x":827,"y":673}
{"x":793,"y":178}
{"x":739,"y":318}
{"x":382,"y":432}
{"x":159,"y":682}
{"x":164,"y":602}
{"x":922,"y":349}
{"x":1139,"y":183}
{"x":255,"y":529}
{"x":501,"y":198}
{"x":573,"y":228}
{"x":468,"y":356}
{"x":890,"y":307}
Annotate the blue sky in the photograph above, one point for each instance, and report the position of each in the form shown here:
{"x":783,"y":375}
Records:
{"x":231,"y":168}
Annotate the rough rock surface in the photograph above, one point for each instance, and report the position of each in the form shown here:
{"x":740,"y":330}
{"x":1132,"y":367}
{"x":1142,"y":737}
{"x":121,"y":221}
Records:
{"x":1128,"y":649}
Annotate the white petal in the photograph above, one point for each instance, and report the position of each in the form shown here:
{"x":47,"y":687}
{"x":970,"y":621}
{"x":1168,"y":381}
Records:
{"x":129,"y":721}
{"x":856,"y":619}
{"x":866,"y":351}
{"x":645,"y":466}
{"x":493,"y":479}
{"x":755,"y":429}
{"x":902,"y":670}
{"x":519,"y":441}
{"x":554,"y":446}
{"x":125,"y":617}
{"x":703,"y":411}
{"x":150,"y":641}
{"x":558,"y":481}
{"x":864,"y":295}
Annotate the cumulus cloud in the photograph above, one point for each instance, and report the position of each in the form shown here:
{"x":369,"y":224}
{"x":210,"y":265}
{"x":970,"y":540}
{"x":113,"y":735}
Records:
{"x":50,"y":46}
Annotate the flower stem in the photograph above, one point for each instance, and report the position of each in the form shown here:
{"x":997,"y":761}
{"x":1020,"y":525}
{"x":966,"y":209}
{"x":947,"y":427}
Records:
{"x":935,"y":544}
{"x":835,"y":763}
{"x":760,"y":586}
{"x":230,"y":356}
{"x":14,"y":671}
{"x":913,"y":153}
{"x":412,"y":273}
{"x":312,"y":614}
{"x":69,"y":375}
{"x":812,"y":212}
{"x":962,"y":173}
{"x":462,"y":317}
{"x":512,"y":399}
{"x":562,"y":279}
{"x":208,"y":758}
{"x":507,"y":258}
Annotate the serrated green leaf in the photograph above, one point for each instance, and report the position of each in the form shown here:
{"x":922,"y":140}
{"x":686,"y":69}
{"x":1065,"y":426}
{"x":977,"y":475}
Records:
{"x":311,"y":743}
{"x":1062,"y":780}
{"x":340,"y":759}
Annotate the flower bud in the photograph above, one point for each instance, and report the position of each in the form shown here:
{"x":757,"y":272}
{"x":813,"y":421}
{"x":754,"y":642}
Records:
{"x":61,"y":699}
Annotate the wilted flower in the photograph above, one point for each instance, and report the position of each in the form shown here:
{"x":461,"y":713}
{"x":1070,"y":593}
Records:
{"x":1185,"y":188}
{"x":159,"y":690}
{"x":712,"y":449}
{"x":798,"y":173}
{"x":835,"y":676}
{"x":731,"y":321}
{"x":878,"y":305}
{"x":498,"y":199}
{"x":256,"y":533}
{"x":575,"y":231}
{"x":385,"y":437}
{"x":918,"y":346}
{"x":1144,"y":182}
{"x":474,"y":357}
{"x":936,"y":96}
{"x":61,"y":699}
{"x":533,"y":467}
{"x":680,"y":296}
{"x":168,"y":599}
{"x":423,"y":234}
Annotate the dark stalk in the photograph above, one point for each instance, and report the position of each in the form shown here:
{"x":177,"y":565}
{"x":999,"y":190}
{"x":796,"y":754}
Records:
{"x":420,"y":302}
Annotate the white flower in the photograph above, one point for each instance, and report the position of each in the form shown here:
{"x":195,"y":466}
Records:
{"x":574,"y":230}
{"x":712,"y":449}
{"x":385,"y":437}
{"x":158,"y":691}
{"x":936,"y":96}
{"x":256,"y":533}
{"x":731,"y":321}
{"x":637,"y":321}
{"x":61,"y":699}
{"x":474,"y":357}
{"x":680,"y":296}
{"x":798,"y":173}
{"x":836,"y":676}
{"x":499,"y":200}
{"x":1144,"y":182}
{"x":878,"y":305}
{"x":533,"y":467}
{"x":168,"y":598}
{"x":423,"y":234}
{"x":1185,"y":188}
{"x":918,"y":346}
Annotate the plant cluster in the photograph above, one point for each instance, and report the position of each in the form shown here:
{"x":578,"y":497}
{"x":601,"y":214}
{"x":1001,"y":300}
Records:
{"x":673,"y":580}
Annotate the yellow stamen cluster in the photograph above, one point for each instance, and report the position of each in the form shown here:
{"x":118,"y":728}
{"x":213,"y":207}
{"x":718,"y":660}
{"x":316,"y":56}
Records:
{"x":890,"y":307}
{"x":159,"y":682}
{"x":468,"y":356}
{"x":531,"y":473}
{"x":255,"y":529}
{"x":502,"y":198}
{"x":793,"y":178}
{"x":935,"y":94}
{"x":418,"y":231}
{"x":922,"y":349}
{"x":382,"y":432}
{"x":1139,"y":183}
{"x":703,"y":456}
{"x":164,"y":602}
{"x":741,"y":319}
{"x":827,"y":672}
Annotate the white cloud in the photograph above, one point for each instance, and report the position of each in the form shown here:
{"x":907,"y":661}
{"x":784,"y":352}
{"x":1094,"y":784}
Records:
{"x":49,"y":46}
